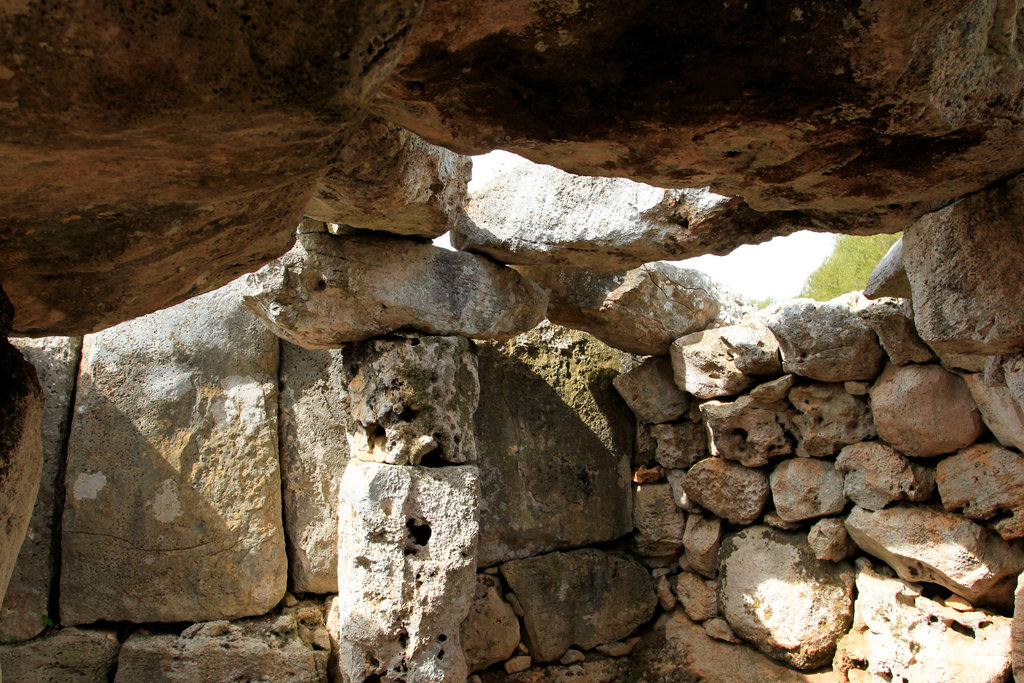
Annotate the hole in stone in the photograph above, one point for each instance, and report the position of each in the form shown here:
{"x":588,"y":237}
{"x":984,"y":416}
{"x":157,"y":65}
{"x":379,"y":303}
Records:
{"x":403,"y":638}
{"x":408,"y":414}
{"x":732,"y":154}
{"x":420,"y":532}
{"x":741,"y":433}
{"x":363,"y":562}
{"x":961,"y":629}
{"x":320,"y":285}
{"x":372,"y":678}
{"x":441,"y":638}
{"x":385,"y":507}
{"x":376,"y":437}
{"x":434,"y":458}
{"x":440,"y":653}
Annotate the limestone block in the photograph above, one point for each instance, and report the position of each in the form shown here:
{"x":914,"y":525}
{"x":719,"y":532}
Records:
{"x":411,"y":399}
{"x":805,"y":488}
{"x":826,"y":341}
{"x":640,"y":311}
{"x":775,"y":390}
{"x":679,"y":444}
{"x":893,"y":322}
{"x":490,"y":632}
{"x":875,"y":475}
{"x":899,"y":633}
{"x":312,"y":410}
{"x":659,"y":523}
{"x":677,"y":480}
{"x":749,"y":431}
{"x":985,"y":480}
{"x":651,"y":393}
{"x":702,"y":541}
{"x":554,"y":441}
{"x":582,"y":597}
{"x":829,"y":540}
{"x":173,"y":503}
{"x":329,"y":290}
{"x":889,"y":278}
{"x":70,"y":655}
{"x":699,"y":596}
{"x":26,"y":604}
{"x":778,"y":597}
{"x":391,"y":180}
{"x":828,"y":418}
{"x":963,"y":269}
{"x":725,"y":360}
{"x":406,"y":570}
{"x":1001,"y":412}
{"x":729,"y":490}
{"x":925,"y":544}
{"x":278,"y":647}
{"x":924,"y":410}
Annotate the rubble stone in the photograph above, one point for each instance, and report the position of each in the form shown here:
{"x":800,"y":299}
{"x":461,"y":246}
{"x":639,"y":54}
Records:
{"x":893,"y":322}
{"x":702,"y":540}
{"x":875,"y":475}
{"x":985,"y":480}
{"x":679,"y":444}
{"x":889,"y":278}
{"x":828,"y":418}
{"x":724,"y":361}
{"x":727,"y":489}
{"x":650,"y":392}
{"x":829,"y":541}
{"x":699,"y":596}
{"x":804,"y":488}
{"x":659,"y":523}
{"x":749,"y":431}
{"x":1000,"y":411}
{"x":490,"y":632}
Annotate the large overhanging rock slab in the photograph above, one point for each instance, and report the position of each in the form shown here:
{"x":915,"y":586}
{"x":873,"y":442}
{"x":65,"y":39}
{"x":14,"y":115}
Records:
{"x":173,"y":503}
{"x":641,"y":310}
{"x":792,"y":104}
{"x":965,"y":275}
{"x":391,"y":180}
{"x":329,"y":290}
{"x":164,"y":153}
{"x":539,"y":215}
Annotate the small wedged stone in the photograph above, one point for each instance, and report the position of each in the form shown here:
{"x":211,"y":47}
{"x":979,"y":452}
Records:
{"x":1001,"y":412}
{"x":827,"y":341}
{"x":724,"y":361}
{"x":582,"y":597}
{"x":698,"y":595}
{"x":728,"y":489}
{"x":778,"y":597}
{"x":983,"y":481}
{"x":806,"y":488}
{"x":924,"y":410}
{"x":775,"y":390}
{"x":925,"y":544}
{"x":875,"y":474}
{"x":329,"y":290}
{"x":679,"y":444}
{"x":640,"y":311}
{"x":893,"y":322}
{"x":490,"y":632}
{"x":650,"y":392}
{"x":829,"y":540}
{"x":412,"y":398}
{"x":749,"y":431}
{"x":70,"y":655}
{"x":889,"y":278}
{"x":828,"y":418}
{"x":658,"y":521}
{"x":702,"y":540}
{"x":676,"y":480}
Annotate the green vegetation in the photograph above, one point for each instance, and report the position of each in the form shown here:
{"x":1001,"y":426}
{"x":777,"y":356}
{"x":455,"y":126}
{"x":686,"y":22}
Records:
{"x":848,"y":267}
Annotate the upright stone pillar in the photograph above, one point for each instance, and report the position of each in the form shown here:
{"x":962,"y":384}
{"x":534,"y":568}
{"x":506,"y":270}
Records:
{"x":409,"y":509}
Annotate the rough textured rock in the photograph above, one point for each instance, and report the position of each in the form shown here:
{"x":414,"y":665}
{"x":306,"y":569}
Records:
{"x":540,"y":215}
{"x":893,"y":322}
{"x":1000,"y":411}
{"x":965,"y":276}
{"x":650,"y":391}
{"x":777,"y":596}
{"x":805,"y":488}
{"x":925,"y":544}
{"x":490,"y":632}
{"x":69,"y":655}
{"x":924,"y":410}
{"x":659,"y":523}
{"x":180,"y":150}
{"x":329,"y":290}
{"x":829,"y":541}
{"x":985,"y":480}
{"x":314,"y":449}
{"x":640,"y":311}
{"x":748,"y":430}
{"x":279,"y":647}
{"x":828,"y":418}
{"x":775,"y":390}
{"x":26,"y":606}
{"x":702,"y":541}
{"x":728,"y":489}
{"x":698,"y":595}
{"x":1017,"y":630}
{"x":677,"y":480}
{"x":723,"y":361}
{"x":554,"y":441}
{"x":826,"y":341}
{"x":899,"y":633}
{"x":173,"y":505}
{"x":582,"y":597}
{"x":875,"y":474}
{"x":679,"y":444}
{"x":411,"y":399}
{"x":391,"y":180}
{"x":889,"y":278}
{"x":406,"y":570}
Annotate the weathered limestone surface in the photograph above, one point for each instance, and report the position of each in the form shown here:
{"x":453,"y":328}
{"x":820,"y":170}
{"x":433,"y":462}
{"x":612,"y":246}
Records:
{"x":329,"y":290}
{"x":1017,"y":630}
{"x":650,"y":391}
{"x":829,"y":540}
{"x":985,"y":480}
{"x":698,"y":596}
{"x":175,"y":150}
{"x":539,"y":215}
{"x":893,"y":322}
{"x":640,"y":311}
{"x":28,"y":595}
{"x":406,"y":569}
{"x":659,"y":523}
{"x":875,"y":475}
{"x":582,"y":597}
{"x":391,"y":180}
{"x":805,"y":488}
{"x":292,"y":647}
{"x":889,"y":278}
{"x":925,"y":544}
{"x":899,"y":633}
{"x":554,"y":441}
{"x":490,"y":632}
{"x":314,"y":449}
{"x":1000,"y":410}
{"x":777,"y":596}
{"x":70,"y":655}
{"x":411,"y":398}
{"x":679,"y":444}
{"x":723,"y":361}
{"x":963,"y":269}
{"x":702,"y":540}
{"x":828,"y":418}
{"x":924,"y":410}
{"x":728,"y":489}
{"x":750,"y":431}
{"x":173,"y":505}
